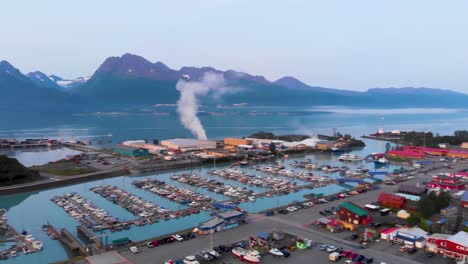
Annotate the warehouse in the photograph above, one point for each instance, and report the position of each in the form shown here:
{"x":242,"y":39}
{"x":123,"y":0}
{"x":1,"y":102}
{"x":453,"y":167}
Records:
{"x":130,"y":151}
{"x":187,"y":144}
{"x":236,"y":141}
{"x":391,"y":200}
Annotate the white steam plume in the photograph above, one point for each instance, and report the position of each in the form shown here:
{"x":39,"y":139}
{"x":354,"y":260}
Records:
{"x":188,"y":103}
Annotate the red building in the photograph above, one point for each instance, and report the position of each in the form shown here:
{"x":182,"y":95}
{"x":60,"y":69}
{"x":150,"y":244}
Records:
{"x":405,"y":154}
{"x":352,"y":213}
{"x":452,"y":246}
{"x":391,"y":200}
{"x":464,"y":200}
{"x":446,"y":183}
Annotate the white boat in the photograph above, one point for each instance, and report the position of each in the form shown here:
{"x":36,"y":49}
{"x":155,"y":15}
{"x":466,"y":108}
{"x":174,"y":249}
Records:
{"x":349,"y":157}
{"x":251,"y":256}
{"x":238,"y":252}
{"x":276,"y":252}
{"x":381,"y":161}
{"x":37,"y":245}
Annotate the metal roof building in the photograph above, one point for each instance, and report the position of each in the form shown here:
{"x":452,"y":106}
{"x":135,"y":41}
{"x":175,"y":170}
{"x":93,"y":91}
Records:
{"x":188,"y":144}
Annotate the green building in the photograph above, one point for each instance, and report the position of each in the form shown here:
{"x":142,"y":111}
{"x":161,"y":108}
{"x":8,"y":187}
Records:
{"x":130,"y":151}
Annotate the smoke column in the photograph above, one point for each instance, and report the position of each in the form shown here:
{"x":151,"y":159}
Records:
{"x":188,"y":103}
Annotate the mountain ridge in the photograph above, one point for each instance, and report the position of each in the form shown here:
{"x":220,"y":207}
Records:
{"x":132,"y":79}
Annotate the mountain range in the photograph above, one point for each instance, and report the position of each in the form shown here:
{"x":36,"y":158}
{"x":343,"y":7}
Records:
{"x":133,"y":80}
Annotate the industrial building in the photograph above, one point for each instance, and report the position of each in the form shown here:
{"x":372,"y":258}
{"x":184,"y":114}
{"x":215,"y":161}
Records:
{"x":187,"y":144}
{"x":236,"y":142}
{"x":152,"y":148}
{"x":130,"y":151}
{"x":464,"y":199}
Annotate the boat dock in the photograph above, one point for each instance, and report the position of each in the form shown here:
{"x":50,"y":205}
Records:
{"x":136,"y":205}
{"x":25,"y":242}
{"x":86,"y":212}
{"x":81,"y":147}
{"x":89,"y":238}
{"x":71,"y":242}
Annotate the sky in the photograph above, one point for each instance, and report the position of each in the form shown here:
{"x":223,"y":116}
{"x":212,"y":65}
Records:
{"x":343,"y":44}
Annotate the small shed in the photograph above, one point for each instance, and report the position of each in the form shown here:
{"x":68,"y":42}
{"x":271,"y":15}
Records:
{"x":403,"y":214}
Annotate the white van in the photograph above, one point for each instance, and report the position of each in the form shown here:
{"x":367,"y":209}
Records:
{"x":335,"y":256}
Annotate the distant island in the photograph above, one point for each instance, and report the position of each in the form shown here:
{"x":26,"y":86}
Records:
{"x":141,"y":82}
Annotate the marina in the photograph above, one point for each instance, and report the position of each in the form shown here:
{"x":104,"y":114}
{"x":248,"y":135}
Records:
{"x":86,"y":212}
{"x":247,"y":186}
{"x":132,"y":203}
{"x":173,"y":193}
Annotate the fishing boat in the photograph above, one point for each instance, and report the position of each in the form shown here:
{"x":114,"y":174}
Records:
{"x":251,"y":256}
{"x":244,"y":163}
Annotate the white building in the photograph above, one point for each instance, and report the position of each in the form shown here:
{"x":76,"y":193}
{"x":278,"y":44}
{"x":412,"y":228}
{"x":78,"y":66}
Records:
{"x":187,"y":144}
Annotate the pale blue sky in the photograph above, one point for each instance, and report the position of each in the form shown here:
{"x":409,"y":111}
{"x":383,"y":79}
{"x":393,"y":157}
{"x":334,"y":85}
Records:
{"x":343,"y":44}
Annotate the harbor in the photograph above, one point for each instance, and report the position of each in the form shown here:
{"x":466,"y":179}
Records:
{"x":144,"y":206}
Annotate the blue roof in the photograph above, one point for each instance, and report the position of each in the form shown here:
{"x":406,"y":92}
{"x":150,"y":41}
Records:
{"x":263,"y":235}
{"x":465,"y":196}
{"x":405,"y":238}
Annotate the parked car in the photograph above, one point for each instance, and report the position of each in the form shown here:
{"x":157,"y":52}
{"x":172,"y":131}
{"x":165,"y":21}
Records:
{"x":403,"y":249}
{"x":134,"y":250}
{"x":429,"y":254}
{"x":352,"y":255}
{"x":283,"y":211}
{"x":323,"y":247}
{"x":177,"y":237}
{"x":346,"y":253}
{"x":286,"y":253}
{"x":367,"y":260}
{"x":354,"y":237}
{"x":358,"y":258}
{"x":412,"y":250}
{"x":331,"y":249}
{"x":270,"y":213}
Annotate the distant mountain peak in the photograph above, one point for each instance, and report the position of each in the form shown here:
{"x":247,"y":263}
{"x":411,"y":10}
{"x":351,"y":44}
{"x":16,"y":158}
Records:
{"x":7,"y":69}
{"x":55,"y":78}
{"x":42,"y":80}
{"x":291,"y":83}
{"x":130,"y":65}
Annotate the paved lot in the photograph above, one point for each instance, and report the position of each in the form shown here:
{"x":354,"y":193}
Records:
{"x":294,"y":223}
